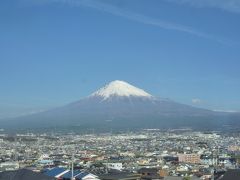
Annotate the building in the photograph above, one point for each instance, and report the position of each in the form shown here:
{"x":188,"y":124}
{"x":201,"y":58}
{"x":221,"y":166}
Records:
{"x":45,"y":163}
{"x":149,"y":173}
{"x":56,"y":172}
{"x":189,"y":158}
{"x":23,"y":174}
{"x":116,"y":166}
{"x":120,"y":176}
{"x":9,"y":166}
{"x":208,"y":160}
{"x":65,"y":174}
{"x":231,"y":174}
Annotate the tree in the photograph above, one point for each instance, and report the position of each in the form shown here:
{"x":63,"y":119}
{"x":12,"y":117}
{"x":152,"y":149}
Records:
{"x":186,"y":178}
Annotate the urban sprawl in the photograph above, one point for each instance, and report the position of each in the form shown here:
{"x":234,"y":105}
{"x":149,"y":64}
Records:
{"x":146,"y":154}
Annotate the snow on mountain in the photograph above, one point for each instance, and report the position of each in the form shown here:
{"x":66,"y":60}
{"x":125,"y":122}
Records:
{"x":125,"y":106}
{"x":120,"y":88}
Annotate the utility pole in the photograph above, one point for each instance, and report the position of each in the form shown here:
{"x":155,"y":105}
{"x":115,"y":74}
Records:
{"x":72,"y":169}
{"x":72,"y":178}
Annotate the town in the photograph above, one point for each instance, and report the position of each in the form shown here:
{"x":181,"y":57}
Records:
{"x":144,"y":154}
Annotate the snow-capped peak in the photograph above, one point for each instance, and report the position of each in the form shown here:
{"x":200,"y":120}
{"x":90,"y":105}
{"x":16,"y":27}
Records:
{"x":120,"y":88}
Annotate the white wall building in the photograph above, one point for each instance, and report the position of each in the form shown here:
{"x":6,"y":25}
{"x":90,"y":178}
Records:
{"x":117,"y":166}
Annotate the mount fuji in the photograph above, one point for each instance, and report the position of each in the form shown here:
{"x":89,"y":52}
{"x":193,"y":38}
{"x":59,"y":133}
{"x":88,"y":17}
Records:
{"x":119,"y":105}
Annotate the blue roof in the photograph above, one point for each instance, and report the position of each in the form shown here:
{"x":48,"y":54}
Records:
{"x":44,"y":161}
{"x":54,"y":172}
{"x":69,"y":174}
{"x":81,"y":175}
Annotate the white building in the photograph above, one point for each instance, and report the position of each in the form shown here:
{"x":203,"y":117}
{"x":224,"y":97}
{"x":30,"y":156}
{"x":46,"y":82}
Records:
{"x":9,"y":166}
{"x":116,"y":166}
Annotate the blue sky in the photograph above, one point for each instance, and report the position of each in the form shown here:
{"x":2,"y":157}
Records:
{"x":57,"y":51}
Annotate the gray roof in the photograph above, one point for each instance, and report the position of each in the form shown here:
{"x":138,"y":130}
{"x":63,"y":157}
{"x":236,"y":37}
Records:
{"x":179,"y":178}
{"x":23,"y":174}
{"x":172,"y":178}
{"x":121,"y":175}
{"x":232,"y":174}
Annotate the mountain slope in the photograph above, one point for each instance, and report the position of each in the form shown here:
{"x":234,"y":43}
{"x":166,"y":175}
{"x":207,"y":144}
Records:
{"x":121,"y":105}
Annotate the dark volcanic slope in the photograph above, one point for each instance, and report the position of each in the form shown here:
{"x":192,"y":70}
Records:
{"x":124,"y":112}
{"x":121,"y":105}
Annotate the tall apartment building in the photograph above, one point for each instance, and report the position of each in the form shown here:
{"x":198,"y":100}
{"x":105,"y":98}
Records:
{"x":189,"y":158}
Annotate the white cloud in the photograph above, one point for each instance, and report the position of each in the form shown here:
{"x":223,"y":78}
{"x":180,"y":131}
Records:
{"x":196,"y":101}
{"x":229,"y":111}
{"x":226,"y":5}
{"x":121,"y":12}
